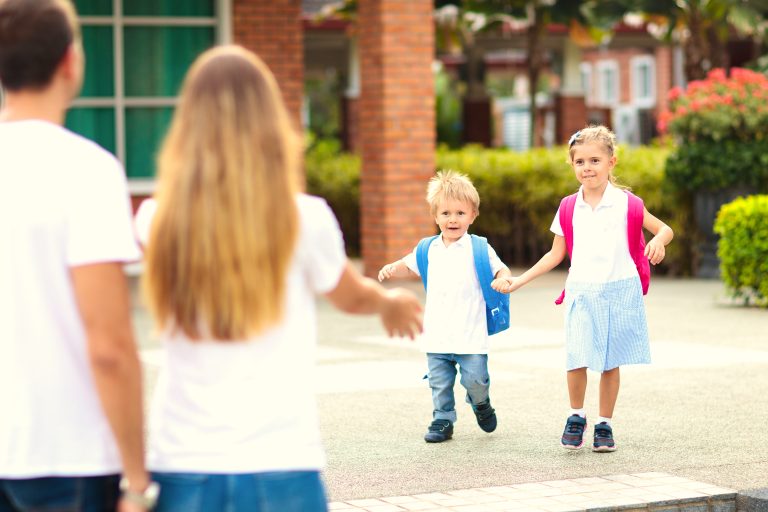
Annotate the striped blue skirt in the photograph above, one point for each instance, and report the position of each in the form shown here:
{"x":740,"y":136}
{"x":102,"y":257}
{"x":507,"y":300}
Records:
{"x":605,"y":325}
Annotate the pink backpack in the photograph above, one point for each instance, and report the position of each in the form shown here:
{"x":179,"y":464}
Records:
{"x":635,"y":237}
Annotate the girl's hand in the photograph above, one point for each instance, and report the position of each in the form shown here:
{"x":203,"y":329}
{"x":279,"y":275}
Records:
{"x":386,"y":271}
{"x":655,"y":251}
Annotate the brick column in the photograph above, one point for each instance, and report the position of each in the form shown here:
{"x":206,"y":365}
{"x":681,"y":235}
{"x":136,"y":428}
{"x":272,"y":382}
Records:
{"x":571,"y":115}
{"x":397,"y":126}
{"x":273,"y":29}
{"x":664,"y":77}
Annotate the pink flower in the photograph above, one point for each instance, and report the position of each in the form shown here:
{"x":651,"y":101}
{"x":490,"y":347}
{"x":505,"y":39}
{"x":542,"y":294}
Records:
{"x":674,"y":93}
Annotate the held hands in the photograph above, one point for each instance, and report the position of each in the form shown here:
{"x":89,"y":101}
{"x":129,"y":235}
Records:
{"x":401,"y":313}
{"x":655,"y":251}
{"x":506,"y":284}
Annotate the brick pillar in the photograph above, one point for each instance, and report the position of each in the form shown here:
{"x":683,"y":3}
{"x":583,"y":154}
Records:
{"x":397,"y":126}
{"x":273,"y":29}
{"x":571,"y":115}
{"x":664,"y":77}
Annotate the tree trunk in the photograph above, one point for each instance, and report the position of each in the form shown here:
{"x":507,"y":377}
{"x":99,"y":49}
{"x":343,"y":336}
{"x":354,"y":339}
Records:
{"x":695,"y":47}
{"x":535,"y":61}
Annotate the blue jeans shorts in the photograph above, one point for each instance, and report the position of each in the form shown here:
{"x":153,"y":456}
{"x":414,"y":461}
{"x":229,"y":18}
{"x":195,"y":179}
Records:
{"x":60,"y":494}
{"x":280,"y":491}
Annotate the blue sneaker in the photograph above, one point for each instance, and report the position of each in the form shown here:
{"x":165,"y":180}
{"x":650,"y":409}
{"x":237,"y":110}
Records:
{"x":603,"y":438}
{"x":486,"y":416}
{"x":439,"y":431}
{"x":573,"y":435}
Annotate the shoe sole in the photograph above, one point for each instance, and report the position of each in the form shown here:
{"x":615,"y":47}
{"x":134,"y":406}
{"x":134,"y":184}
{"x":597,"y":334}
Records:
{"x":604,"y":449}
{"x":437,"y":440}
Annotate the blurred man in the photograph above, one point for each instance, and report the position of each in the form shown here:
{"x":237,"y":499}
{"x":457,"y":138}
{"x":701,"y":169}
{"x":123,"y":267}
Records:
{"x":70,"y":378}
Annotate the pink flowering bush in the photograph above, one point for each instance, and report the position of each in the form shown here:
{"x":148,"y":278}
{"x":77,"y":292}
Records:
{"x":719,"y":108}
{"x":720,"y":125}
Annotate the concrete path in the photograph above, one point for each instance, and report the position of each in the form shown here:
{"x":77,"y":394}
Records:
{"x":700,"y":411}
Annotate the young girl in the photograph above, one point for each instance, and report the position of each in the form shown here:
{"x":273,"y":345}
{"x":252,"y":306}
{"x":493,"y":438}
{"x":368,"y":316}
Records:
{"x":605,"y":322}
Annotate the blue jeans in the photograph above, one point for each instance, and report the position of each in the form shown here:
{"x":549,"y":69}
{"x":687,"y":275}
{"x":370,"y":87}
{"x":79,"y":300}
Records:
{"x":280,"y":491}
{"x":60,"y":494}
{"x":442,"y":376}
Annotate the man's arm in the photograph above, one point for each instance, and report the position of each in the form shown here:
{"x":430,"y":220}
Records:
{"x":102,"y":297}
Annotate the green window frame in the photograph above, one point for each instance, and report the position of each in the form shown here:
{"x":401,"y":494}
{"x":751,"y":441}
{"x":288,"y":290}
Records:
{"x":137,"y":52}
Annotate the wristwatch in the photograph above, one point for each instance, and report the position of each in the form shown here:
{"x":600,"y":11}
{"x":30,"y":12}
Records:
{"x":146,"y":499}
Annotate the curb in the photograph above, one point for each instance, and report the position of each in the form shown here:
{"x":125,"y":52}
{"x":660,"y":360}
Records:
{"x":754,"y":500}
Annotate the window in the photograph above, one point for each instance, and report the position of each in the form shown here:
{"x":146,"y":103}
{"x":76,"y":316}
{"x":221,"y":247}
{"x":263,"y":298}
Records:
{"x":608,"y":83}
{"x":137,"y":52}
{"x":585,"y":68}
{"x":643,"y":69}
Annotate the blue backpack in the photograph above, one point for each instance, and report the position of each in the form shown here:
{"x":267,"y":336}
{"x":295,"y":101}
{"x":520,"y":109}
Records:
{"x":496,"y":304}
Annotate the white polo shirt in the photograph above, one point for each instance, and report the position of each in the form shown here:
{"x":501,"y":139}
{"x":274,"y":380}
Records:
{"x":600,"y":247}
{"x":454,"y":314}
{"x":65,"y":205}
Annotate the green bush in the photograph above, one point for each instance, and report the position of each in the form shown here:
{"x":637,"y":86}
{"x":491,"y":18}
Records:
{"x":743,"y":248}
{"x":335,"y":176}
{"x":519,"y":194}
{"x":713,"y":166}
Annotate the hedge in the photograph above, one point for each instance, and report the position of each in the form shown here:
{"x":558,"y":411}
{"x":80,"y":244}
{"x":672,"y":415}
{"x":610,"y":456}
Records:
{"x":519,"y":194}
{"x":743,"y":248}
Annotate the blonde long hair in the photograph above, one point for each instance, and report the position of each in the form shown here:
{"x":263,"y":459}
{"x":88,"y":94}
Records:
{"x":226,"y":224}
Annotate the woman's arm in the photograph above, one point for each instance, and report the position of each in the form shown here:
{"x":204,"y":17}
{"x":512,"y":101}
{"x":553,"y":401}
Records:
{"x":399,"y":309}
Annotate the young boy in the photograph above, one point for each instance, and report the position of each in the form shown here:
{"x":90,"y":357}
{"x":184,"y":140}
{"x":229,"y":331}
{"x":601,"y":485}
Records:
{"x":455,"y":330}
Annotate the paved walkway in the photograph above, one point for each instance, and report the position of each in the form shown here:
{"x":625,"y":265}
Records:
{"x":698,"y":412}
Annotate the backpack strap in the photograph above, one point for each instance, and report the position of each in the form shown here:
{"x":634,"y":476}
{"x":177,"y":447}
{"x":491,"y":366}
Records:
{"x":482,"y":266}
{"x":636,"y":239}
{"x":565,"y":215}
{"x":422,"y":260}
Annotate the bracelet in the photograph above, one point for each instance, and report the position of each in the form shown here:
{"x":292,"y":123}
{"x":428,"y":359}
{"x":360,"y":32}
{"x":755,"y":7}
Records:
{"x":146,"y":499}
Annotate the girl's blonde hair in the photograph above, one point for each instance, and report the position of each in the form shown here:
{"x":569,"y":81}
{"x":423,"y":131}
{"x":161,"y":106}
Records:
{"x":595,"y":134}
{"x":449,"y":184}
{"x":226,"y":224}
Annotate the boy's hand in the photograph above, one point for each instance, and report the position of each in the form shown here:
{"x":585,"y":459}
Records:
{"x":386,"y":271}
{"x":505,"y":284}
{"x":655,"y":251}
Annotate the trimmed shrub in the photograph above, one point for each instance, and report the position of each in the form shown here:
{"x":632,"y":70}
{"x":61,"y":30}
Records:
{"x":519,"y":194}
{"x":743,"y":248}
{"x":335,"y":176}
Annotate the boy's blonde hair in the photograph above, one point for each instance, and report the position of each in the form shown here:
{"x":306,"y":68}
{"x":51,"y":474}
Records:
{"x":226,"y":225}
{"x":449,"y":184}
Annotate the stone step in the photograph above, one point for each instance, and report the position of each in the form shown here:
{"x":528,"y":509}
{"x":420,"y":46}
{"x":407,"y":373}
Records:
{"x":657,"y":492}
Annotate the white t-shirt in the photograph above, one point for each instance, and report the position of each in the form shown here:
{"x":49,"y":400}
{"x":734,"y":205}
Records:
{"x":248,"y":406}
{"x":65,"y":205}
{"x":454,"y":314}
{"x":600,"y":247}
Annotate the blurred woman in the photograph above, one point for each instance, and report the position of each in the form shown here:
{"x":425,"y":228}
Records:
{"x":235,"y":257}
